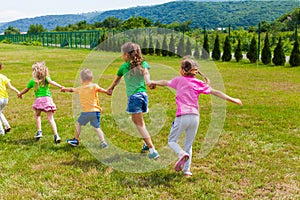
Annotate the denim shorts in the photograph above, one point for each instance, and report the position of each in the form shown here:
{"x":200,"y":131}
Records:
{"x":137,"y":103}
{"x":92,"y":117}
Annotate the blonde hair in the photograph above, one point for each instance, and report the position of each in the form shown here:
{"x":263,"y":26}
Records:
{"x":191,"y":68}
{"x":86,"y":75}
{"x":135,"y":56}
{"x":40,"y":73}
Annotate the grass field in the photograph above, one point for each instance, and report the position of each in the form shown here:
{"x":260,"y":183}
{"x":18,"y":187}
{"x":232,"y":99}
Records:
{"x":257,"y":155}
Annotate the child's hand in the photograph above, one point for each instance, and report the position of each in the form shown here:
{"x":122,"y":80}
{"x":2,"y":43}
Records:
{"x":63,"y":89}
{"x":152,"y":85}
{"x":19,"y":95}
{"x":109,"y":92}
{"x":238,"y":101}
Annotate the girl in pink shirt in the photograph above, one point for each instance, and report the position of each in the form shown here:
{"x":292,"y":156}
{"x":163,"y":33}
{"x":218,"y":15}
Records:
{"x":188,"y":88}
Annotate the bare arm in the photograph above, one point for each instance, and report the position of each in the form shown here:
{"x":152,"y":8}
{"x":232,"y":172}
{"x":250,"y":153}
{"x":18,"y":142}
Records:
{"x":224,"y":96}
{"x":24,"y":91}
{"x":161,"y":82}
{"x":54,"y":84}
{"x":102,"y":90}
{"x":67,"y":89}
{"x":10,"y":86}
{"x":113,"y":85}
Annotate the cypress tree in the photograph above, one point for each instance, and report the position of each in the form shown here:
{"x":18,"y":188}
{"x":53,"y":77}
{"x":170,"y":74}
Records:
{"x":164,"y":50}
{"x":279,"y":56}
{"x":145,"y":47}
{"x":180,"y":47}
{"x":216,"y":53}
{"x":172,"y":46}
{"x":266,"y":54}
{"x":295,"y":55}
{"x":238,"y":54}
{"x":205,"y":49}
{"x":252,"y":53}
{"x":188,"y":48}
{"x":227,"y":50}
{"x":151,"y":46}
{"x":157,"y":48}
{"x":196,"y":52}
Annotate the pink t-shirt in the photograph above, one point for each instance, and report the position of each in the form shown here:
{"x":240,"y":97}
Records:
{"x":188,"y":90}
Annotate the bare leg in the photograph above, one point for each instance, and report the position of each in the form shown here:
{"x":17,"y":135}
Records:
{"x":100,"y":133}
{"x":50,"y":118}
{"x":78,"y":130}
{"x":38,"y":120}
{"x":138,"y":120}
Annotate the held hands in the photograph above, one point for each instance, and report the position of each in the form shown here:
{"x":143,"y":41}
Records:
{"x":109,"y":91}
{"x":152,"y":85}
{"x":19,"y":94}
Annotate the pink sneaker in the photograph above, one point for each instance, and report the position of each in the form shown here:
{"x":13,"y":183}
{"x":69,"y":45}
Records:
{"x":180,"y":163}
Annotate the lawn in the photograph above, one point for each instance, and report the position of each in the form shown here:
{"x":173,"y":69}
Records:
{"x":254,"y":152}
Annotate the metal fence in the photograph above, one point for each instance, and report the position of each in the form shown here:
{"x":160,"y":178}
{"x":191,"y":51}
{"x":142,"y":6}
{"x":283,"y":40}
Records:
{"x":79,"y":39}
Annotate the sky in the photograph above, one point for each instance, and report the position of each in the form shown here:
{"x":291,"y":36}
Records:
{"x":17,"y":9}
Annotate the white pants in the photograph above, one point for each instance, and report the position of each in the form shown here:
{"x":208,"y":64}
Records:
{"x":3,"y":103}
{"x":188,"y":124}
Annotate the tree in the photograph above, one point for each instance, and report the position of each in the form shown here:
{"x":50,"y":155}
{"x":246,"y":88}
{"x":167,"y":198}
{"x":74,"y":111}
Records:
{"x":157,"y":48}
{"x":112,"y":22}
{"x":252,"y":53}
{"x":164,"y":51}
{"x":172,"y":46}
{"x":216,"y":53}
{"x":136,"y":22}
{"x":227,"y":50}
{"x":36,"y":28}
{"x":279,"y":56}
{"x":238,"y":54}
{"x":266,"y":54}
{"x":188,"y":48}
{"x":196,"y":52}
{"x":11,"y":30}
{"x":205,"y":49}
{"x":180,"y":47}
{"x":295,"y":55}
{"x":151,"y":46}
{"x":145,"y":47}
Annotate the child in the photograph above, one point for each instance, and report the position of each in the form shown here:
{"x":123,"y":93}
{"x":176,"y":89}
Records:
{"x":4,"y":81}
{"x":188,"y":89}
{"x":88,"y":97}
{"x":40,"y":82}
{"x":135,"y":72}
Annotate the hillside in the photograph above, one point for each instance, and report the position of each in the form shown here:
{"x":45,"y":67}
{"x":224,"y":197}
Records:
{"x":211,"y":14}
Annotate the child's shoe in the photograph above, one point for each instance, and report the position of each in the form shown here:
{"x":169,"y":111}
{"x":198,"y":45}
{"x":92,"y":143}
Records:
{"x":153,"y":155}
{"x":181,"y":162}
{"x":57,"y":139}
{"x":38,"y":135}
{"x":145,"y":148}
{"x":6,"y":130}
{"x":103,"y":145}
{"x":74,"y":142}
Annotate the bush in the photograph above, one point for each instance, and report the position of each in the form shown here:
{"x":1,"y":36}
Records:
{"x":295,"y":55}
{"x":252,"y":53}
{"x":266,"y":55}
{"x":238,"y":54}
{"x":216,"y":53}
{"x":279,"y":56}
{"x":205,"y":49}
{"x":227,"y":50}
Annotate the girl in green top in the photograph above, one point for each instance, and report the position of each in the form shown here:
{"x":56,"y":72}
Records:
{"x":135,"y":72}
{"x":43,"y":102}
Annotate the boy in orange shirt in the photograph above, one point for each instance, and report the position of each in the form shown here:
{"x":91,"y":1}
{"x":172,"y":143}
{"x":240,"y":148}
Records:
{"x":91,"y":110}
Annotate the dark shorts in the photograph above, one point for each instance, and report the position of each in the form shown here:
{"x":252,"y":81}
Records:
{"x":92,"y":117}
{"x":137,"y":103}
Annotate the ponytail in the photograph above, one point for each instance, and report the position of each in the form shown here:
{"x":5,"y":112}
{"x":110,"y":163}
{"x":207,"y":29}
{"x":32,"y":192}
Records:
{"x":206,"y":79}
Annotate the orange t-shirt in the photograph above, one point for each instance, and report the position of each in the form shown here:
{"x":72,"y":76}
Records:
{"x":88,"y":97}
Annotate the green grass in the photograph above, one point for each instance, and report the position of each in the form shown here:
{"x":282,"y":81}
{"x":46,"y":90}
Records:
{"x":256,"y":156}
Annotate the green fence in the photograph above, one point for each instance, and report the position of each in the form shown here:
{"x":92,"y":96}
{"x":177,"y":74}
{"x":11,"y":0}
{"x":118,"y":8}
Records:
{"x":79,"y":39}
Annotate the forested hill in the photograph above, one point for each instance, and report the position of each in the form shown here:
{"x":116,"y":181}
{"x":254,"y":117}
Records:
{"x":211,"y":14}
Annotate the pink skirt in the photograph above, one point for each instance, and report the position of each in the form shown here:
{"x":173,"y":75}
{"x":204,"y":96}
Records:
{"x":45,"y":104}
